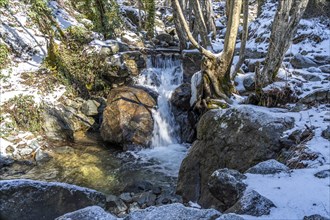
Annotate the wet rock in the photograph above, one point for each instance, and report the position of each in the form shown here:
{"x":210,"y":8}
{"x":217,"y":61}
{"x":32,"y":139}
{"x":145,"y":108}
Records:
{"x":299,"y":61}
{"x":90,"y":107}
{"x":227,"y":186}
{"x":173,"y":211}
{"x":181,"y":97}
{"x":254,"y":54}
{"x":316,"y":217}
{"x":230,"y":216}
{"x":268,"y":167}
{"x":252,"y":203}
{"x":127,"y":119}
{"x":180,"y":102}
{"x":322,"y":174}
{"x":115,"y":204}
{"x":191,"y":63}
{"x":249,"y":83}
{"x":326,"y":133}
{"x":317,"y":96}
{"x":27,"y":199}
{"x":236,"y":138}
{"x":164,"y":37}
{"x":124,"y":64}
{"x":157,"y":190}
{"x":325,"y":68}
{"x":88,"y":213}
{"x":42,"y":156}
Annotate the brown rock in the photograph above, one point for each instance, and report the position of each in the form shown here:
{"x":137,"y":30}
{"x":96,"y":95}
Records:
{"x":127,"y":119}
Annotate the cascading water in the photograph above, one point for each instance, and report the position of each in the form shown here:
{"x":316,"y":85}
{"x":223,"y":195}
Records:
{"x":163,"y":75}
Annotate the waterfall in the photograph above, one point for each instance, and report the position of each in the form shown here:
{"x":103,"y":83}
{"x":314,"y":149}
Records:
{"x":163,"y":75}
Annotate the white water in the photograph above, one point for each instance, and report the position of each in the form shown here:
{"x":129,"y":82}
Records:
{"x":163,"y":75}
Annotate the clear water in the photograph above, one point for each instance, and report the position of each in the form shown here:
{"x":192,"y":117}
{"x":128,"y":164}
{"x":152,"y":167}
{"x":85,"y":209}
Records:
{"x":89,"y":163}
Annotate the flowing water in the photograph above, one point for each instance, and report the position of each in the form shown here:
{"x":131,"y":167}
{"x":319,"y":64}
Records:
{"x":88,"y":162}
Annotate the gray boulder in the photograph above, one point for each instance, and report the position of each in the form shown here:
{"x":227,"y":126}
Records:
{"x":299,"y":61}
{"x":236,"y":138}
{"x":28,"y":199}
{"x":88,"y":213}
{"x":175,"y":211}
{"x":249,"y":83}
{"x":252,"y":203}
{"x":227,"y":186}
{"x":268,"y":167}
{"x":317,"y":96}
{"x":90,"y":108}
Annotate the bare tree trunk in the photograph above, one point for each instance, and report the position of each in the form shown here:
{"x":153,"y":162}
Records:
{"x":228,"y":8}
{"x":209,"y":17}
{"x":200,"y":26}
{"x":216,"y":67}
{"x":179,"y":27}
{"x":285,"y":24}
{"x":244,"y":38}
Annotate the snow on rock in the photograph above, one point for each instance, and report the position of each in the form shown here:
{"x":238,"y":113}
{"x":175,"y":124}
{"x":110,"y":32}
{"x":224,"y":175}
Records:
{"x":27,"y":199}
{"x":88,"y":213}
{"x":173,"y":211}
{"x":252,"y":203}
{"x":268,"y":167}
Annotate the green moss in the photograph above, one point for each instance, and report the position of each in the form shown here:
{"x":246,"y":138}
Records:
{"x":4,"y":56}
{"x":78,"y":36}
{"x":25,"y":113}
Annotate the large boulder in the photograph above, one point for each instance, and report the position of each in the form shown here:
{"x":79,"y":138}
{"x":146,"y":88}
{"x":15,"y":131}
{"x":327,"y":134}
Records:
{"x":237,"y":138}
{"x":27,"y":199}
{"x":127,"y":119}
{"x":173,"y":211}
{"x":88,"y":213}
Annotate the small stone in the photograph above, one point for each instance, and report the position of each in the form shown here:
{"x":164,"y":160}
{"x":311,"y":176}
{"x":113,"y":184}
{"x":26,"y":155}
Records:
{"x":326,"y":133}
{"x":227,"y":186}
{"x":252,"y":203}
{"x":268,"y":167}
{"x":315,"y":217}
{"x":126,"y":197}
{"x":322,"y":174}
{"x":115,"y":204}
{"x":133,"y":207}
{"x":249,"y":83}
{"x":90,"y":107}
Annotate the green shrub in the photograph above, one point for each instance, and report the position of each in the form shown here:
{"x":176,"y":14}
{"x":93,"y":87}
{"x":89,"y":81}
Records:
{"x":3,"y":3}
{"x":4,"y":55}
{"x":25,"y":113}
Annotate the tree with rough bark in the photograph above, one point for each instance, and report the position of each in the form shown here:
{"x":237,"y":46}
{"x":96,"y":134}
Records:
{"x":215,"y":67}
{"x":200,"y":15}
{"x":243,"y":39}
{"x":288,"y":15}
